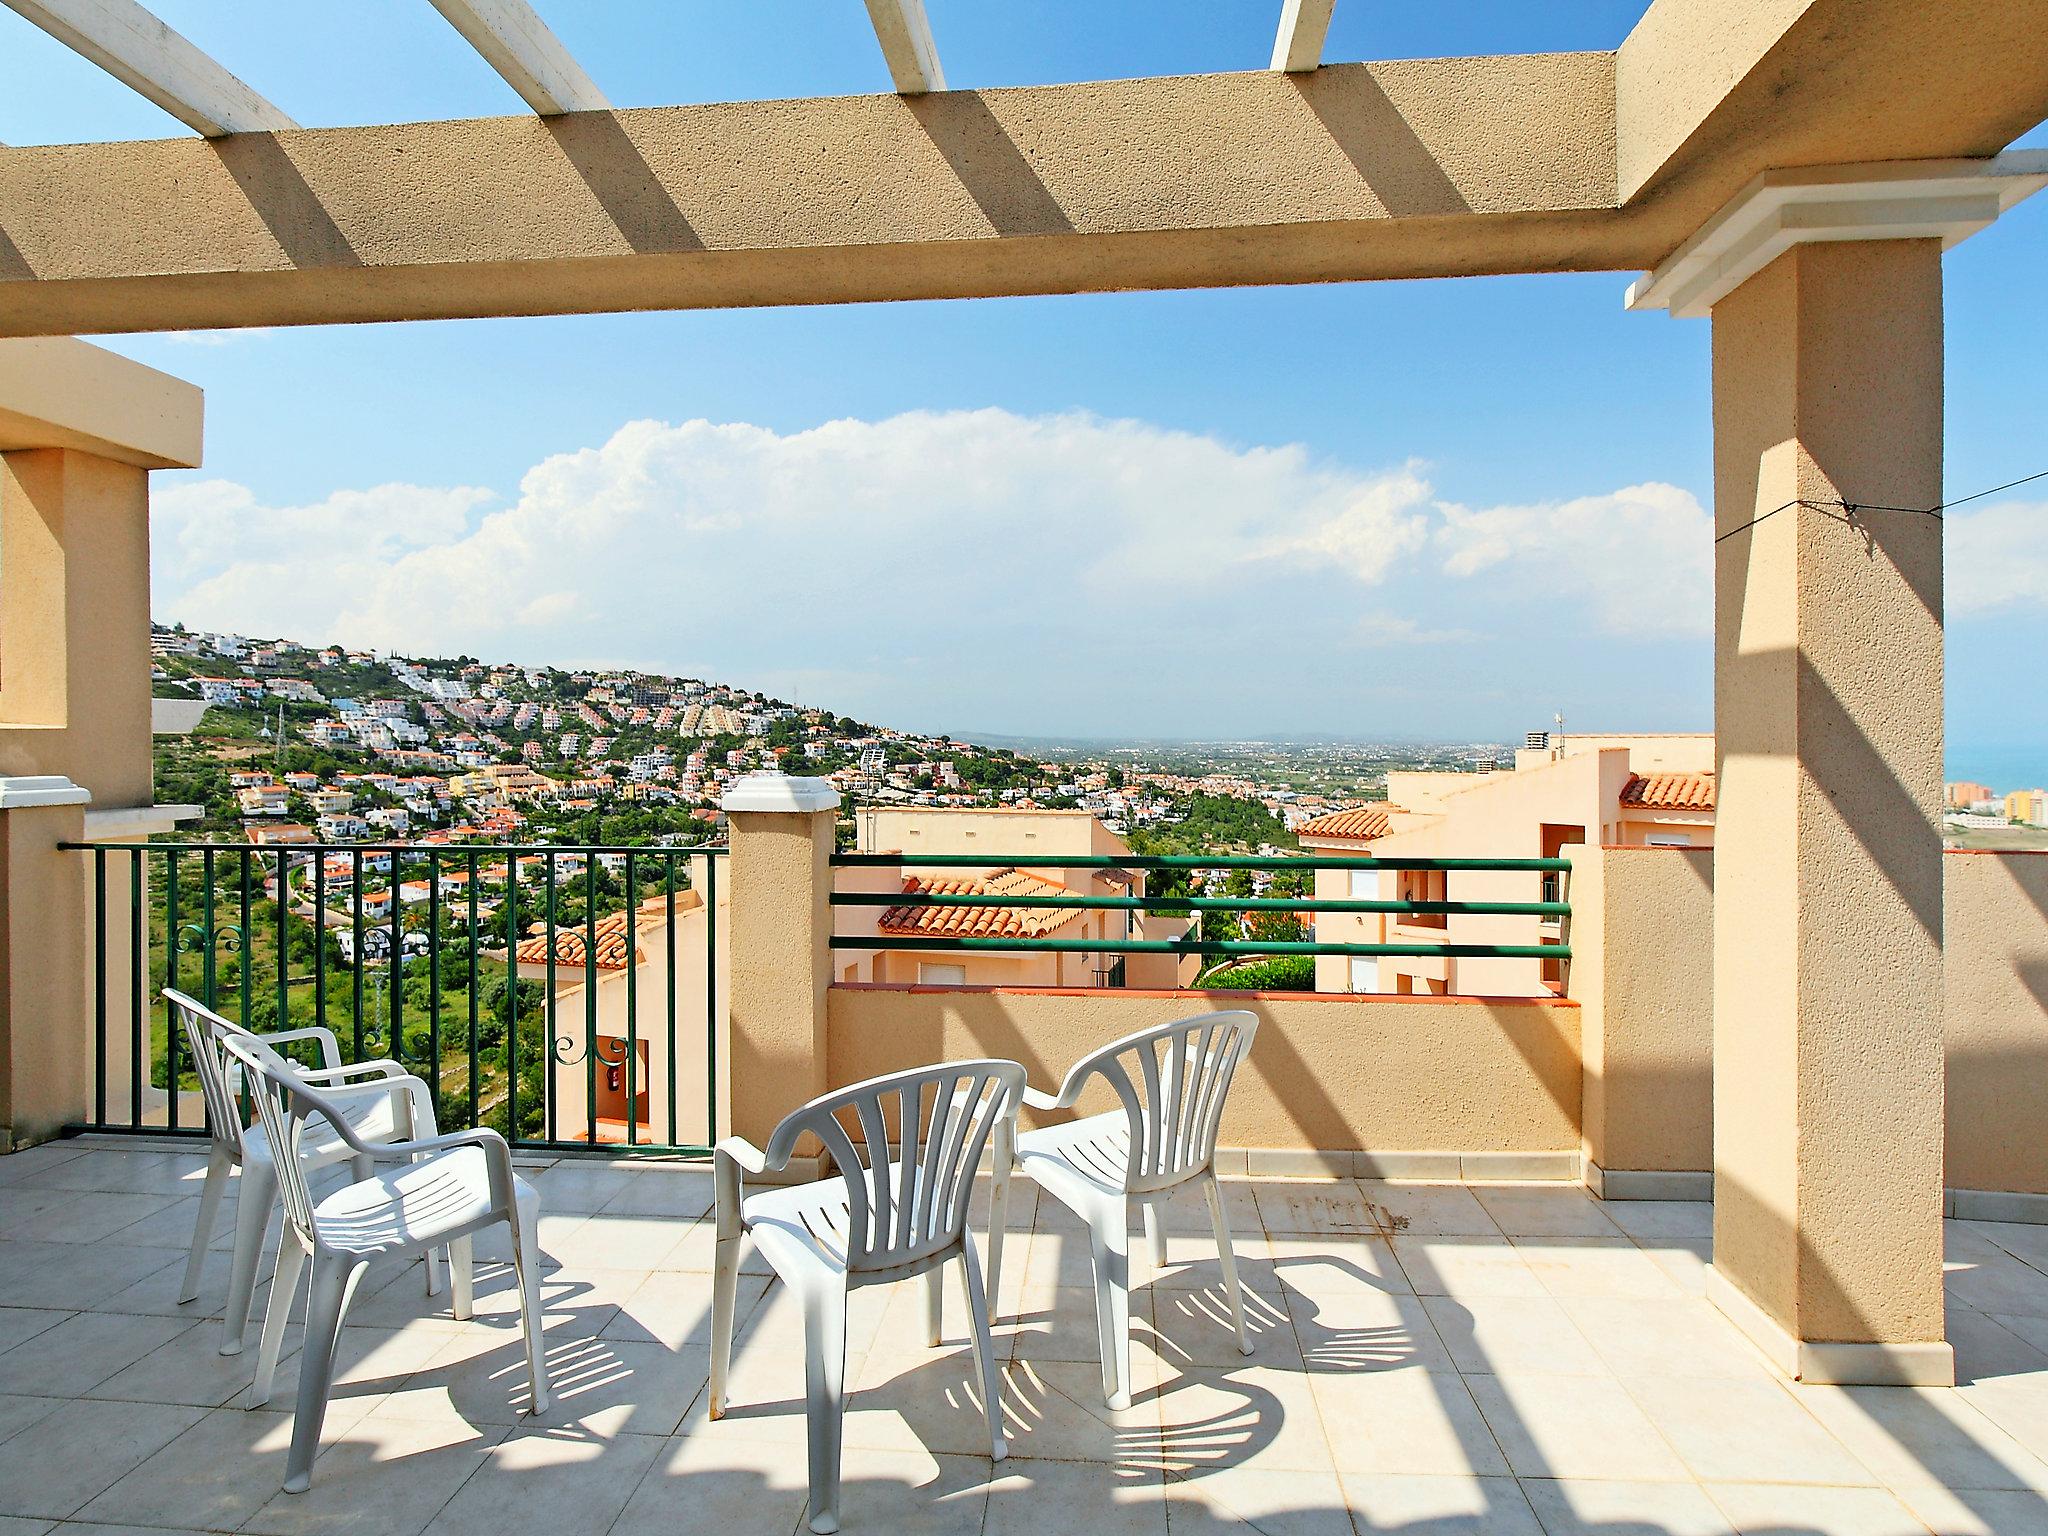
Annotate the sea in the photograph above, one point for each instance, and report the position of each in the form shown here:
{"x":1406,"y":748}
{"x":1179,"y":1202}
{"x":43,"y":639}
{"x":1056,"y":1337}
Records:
{"x":2004,"y":767}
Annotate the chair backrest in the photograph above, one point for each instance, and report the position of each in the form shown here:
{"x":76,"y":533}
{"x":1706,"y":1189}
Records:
{"x":1172,"y":1080}
{"x":283,"y":1103}
{"x":204,"y":1032}
{"x":907,"y":1202}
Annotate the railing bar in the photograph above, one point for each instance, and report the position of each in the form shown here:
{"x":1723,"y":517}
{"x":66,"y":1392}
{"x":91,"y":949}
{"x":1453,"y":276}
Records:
{"x":394,"y":966}
{"x":99,"y":986}
{"x":632,"y":1002}
{"x":669,"y":942}
{"x":320,"y":939}
{"x":245,"y":952}
{"x":590,"y":999}
{"x":356,"y":898}
{"x":711,"y":998}
{"x":434,"y":980}
{"x":171,"y":979}
{"x":550,"y":1009}
{"x":208,"y":964}
{"x":474,"y":982}
{"x":138,"y":980}
{"x":1174,"y":861}
{"x":512,"y":999}
{"x":1173,"y":905}
{"x":284,"y":940}
{"x":1214,"y":947}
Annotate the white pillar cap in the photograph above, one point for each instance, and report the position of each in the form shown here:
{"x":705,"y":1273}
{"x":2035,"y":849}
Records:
{"x":779,"y":792}
{"x":23,"y":791}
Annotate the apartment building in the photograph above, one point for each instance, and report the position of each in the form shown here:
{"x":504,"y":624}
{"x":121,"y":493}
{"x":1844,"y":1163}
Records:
{"x":1025,"y":849}
{"x":1562,"y":792}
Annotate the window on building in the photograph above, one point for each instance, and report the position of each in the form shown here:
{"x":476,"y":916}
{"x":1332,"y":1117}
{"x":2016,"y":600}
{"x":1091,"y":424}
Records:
{"x":931,"y":975}
{"x":1423,"y":885}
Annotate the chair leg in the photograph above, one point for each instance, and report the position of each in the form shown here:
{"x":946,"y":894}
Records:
{"x":725,"y":1285}
{"x":526,"y":1264}
{"x":1110,"y":1244}
{"x":998,"y":1220}
{"x":334,"y":1283}
{"x":934,"y":1306}
{"x":984,"y":1347}
{"x":1155,"y":1236}
{"x":220,"y":1168}
{"x":254,"y":1201}
{"x":462,"y":1274}
{"x":825,"y":1381}
{"x":1229,"y":1260}
{"x":423,"y":1127}
{"x":284,"y":1287}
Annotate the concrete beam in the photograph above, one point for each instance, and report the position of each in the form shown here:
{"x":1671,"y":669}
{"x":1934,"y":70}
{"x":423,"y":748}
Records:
{"x":59,"y":393}
{"x":146,"y":56}
{"x":1412,"y":168}
{"x":518,"y":45}
{"x":1304,"y":24}
{"x":1356,"y":171}
{"x":906,"y":38}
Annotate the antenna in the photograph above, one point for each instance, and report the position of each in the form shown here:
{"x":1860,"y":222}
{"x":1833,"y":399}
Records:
{"x":1557,"y":745}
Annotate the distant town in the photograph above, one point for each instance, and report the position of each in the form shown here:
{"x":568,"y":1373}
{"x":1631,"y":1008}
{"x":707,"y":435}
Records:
{"x":286,"y":743}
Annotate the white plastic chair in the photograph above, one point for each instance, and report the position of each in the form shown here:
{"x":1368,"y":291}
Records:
{"x":886,"y":1216}
{"x":446,"y":1188}
{"x":391,"y":1106}
{"x":1173,"y":1081}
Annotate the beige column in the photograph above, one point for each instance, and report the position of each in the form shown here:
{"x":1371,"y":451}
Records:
{"x":1827,"y":900}
{"x":45,"y":986}
{"x":781,"y":965}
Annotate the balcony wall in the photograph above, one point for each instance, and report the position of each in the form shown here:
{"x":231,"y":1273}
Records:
{"x":1642,"y":932}
{"x":1342,"y":1074}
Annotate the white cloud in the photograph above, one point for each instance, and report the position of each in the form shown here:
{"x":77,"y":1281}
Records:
{"x":995,"y":567}
{"x":1391,"y":629}
{"x":1996,"y":558}
{"x":1639,"y":559}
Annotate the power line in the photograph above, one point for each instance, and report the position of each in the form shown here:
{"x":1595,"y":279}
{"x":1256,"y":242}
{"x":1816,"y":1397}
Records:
{"x":1845,"y":511}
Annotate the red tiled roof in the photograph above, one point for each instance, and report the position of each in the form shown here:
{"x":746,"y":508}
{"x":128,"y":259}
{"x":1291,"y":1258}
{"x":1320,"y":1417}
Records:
{"x":979,"y":922}
{"x":1670,"y":791}
{"x":1362,"y":823}
{"x":611,"y":944}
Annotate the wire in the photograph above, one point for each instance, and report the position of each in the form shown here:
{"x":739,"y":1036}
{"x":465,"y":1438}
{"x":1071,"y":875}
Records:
{"x":1848,"y":509}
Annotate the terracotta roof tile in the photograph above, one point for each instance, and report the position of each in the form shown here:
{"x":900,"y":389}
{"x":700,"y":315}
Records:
{"x":611,"y":944}
{"x":1361,"y":823}
{"x":979,"y":922}
{"x":1670,"y":791}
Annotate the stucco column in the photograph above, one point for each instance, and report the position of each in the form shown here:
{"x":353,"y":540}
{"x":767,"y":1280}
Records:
{"x":74,"y":623}
{"x":1827,"y":901}
{"x":781,"y":965}
{"x":45,"y":983}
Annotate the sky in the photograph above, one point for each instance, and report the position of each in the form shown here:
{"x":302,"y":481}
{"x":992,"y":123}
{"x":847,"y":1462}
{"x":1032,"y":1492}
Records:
{"x":1424,"y":510}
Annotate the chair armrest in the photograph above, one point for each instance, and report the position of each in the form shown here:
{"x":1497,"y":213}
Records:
{"x":1037,"y":1099}
{"x":497,"y":1155}
{"x":330,"y":1048}
{"x":730,"y":1159}
{"x":335,"y":1077}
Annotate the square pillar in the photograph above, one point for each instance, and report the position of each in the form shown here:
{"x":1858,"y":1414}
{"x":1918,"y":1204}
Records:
{"x":781,"y":963}
{"x":1827,"y":901}
{"x":45,"y":978}
{"x":74,"y":621}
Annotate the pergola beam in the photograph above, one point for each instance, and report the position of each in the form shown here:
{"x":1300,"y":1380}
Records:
{"x":906,"y":39}
{"x":148,"y":57}
{"x":1304,"y":24}
{"x":515,"y":42}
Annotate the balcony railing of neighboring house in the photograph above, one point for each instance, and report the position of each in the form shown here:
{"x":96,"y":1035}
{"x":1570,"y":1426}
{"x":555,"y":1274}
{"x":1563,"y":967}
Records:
{"x":459,"y":965}
{"x":1554,"y":907}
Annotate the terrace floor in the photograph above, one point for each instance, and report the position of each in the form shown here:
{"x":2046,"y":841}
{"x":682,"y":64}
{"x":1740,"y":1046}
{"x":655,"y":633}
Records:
{"x":1431,"y":1359}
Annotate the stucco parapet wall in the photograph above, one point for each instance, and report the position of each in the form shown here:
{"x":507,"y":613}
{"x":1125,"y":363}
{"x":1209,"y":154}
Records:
{"x":58,"y":392}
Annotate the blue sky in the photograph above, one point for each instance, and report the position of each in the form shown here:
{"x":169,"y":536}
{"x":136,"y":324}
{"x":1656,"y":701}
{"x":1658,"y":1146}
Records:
{"x":1395,"y":510}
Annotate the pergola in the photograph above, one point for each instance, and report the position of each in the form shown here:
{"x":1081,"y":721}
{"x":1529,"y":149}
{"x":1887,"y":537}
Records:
{"x":1792,"y":169}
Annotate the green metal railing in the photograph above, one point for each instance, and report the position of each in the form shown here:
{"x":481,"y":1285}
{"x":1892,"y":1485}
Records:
{"x":279,"y":937}
{"x":1556,"y":907}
